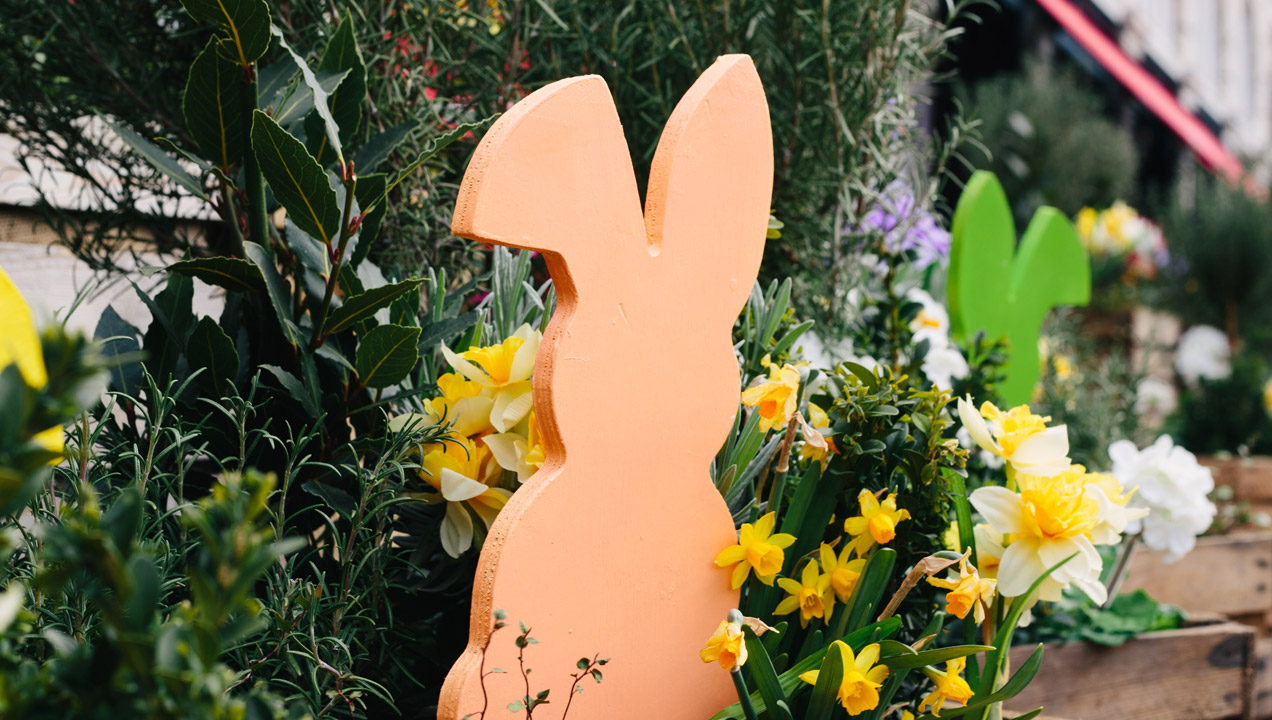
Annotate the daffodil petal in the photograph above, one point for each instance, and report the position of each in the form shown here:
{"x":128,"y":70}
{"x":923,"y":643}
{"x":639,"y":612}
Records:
{"x":503,"y":447}
{"x":19,"y":340}
{"x":1019,"y":568}
{"x":465,"y":368}
{"x":457,"y":530}
{"x":457,"y":488}
{"x":1044,"y":452}
{"x":1000,"y":507}
{"x":730,"y":555}
{"x":511,"y":405}
{"x":523,"y":360}
{"x":976,"y":426}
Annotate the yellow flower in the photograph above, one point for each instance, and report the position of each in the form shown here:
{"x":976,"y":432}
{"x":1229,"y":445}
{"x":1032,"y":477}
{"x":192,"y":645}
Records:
{"x":968,"y":592}
{"x":1267,"y":396}
{"x":757,"y":548}
{"x":462,"y":472}
{"x":859,"y":689}
{"x":877,"y":522}
{"x":726,"y":646}
{"x":843,"y":573}
{"x":520,"y":451}
{"x":1018,"y":436}
{"x":1050,"y":519}
{"x":950,"y":539}
{"x":775,"y":398}
{"x":20,"y":345}
{"x":949,"y":686}
{"x":1086,"y":225}
{"x":812,"y":596}
{"x":504,"y":370}
{"x":1063,"y":366}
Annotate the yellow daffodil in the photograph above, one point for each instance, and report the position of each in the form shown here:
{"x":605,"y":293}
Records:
{"x":20,"y":345}
{"x":968,"y":591}
{"x":1114,"y":515}
{"x":504,"y":370}
{"x":843,"y":572}
{"x":950,"y":539}
{"x":776,"y":397}
{"x":949,"y":686}
{"x":877,"y":522}
{"x":1267,"y":396}
{"x":1049,"y":519}
{"x":989,"y":550}
{"x":812,"y":595}
{"x":859,"y":689}
{"x":757,"y":548}
{"x":1085,"y":223}
{"x":726,"y":647}
{"x":520,"y":451}
{"x":1018,"y":436}
{"x":462,"y":472}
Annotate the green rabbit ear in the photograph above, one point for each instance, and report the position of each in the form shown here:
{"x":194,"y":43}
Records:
{"x":983,"y":238}
{"x":1051,"y":269}
{"x":1010,"y":297}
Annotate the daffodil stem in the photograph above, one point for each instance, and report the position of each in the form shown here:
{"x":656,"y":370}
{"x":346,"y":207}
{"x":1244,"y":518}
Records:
{"x":783,"y":466}
{"x":1119,"y":570}
{"x":744,"y":696}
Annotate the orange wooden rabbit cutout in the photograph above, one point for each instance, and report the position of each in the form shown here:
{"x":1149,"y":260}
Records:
{"x":608,"y":549}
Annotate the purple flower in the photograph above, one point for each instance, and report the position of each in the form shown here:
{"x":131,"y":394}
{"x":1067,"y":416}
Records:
{"x":904,"y":228}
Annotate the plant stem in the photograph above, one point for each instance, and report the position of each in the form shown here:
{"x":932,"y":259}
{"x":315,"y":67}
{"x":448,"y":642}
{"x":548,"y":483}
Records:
{"x":1119,"y":570}
{"x":257,"y":228}
{"x":333,"y":281}
{"x":744,"y":696}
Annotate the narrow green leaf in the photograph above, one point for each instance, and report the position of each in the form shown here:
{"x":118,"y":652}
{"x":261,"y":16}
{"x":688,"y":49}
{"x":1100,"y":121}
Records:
{"x":298,"y":182}
{"x":368,"y":189}
{"x":360,"y":307}
{"x":300,"y":103}
{"x":210,"y":349}
{"x":378,"y":148}
{"x":230,"y":273}
{"x":760,"y":666}
{"x":386,"y":355}
{"x":431,"y":148}
{"x":245,"y":22}
{"x":826,"y":691}
{"x":213,"y":106}
{"x":295,"y":388}
{"x":932,"y":657}
{"x":1013,"y":687}
{"x":435,"y":334}
{"x":321,"y":96}
{"x":158,"y":159}
{"x":347,"y":100}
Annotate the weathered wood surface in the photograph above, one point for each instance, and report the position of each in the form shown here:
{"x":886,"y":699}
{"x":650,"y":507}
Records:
{"x":1197,"y":673}
{"x":1229,"y":574}
{"x":1250,"y":478}
{"x":1263,"y":677}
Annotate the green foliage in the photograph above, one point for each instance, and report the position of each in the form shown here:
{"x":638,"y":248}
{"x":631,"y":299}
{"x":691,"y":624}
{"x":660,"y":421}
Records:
{"x":1128,"y":615}
{"x":1220,"y":241}
{"x":1227,"y":415}
{"x":1050,"y":143}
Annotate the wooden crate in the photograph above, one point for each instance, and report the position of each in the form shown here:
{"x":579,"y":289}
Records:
{"x":1250,"y":478}
{"x":1196,"y":673}
{"x":1229,"y":574}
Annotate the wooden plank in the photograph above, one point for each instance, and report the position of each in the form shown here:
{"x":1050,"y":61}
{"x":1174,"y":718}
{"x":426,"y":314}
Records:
{"x":1229,"y":574}
{"x":1197,"y":673}
{"x":1263,"y":678}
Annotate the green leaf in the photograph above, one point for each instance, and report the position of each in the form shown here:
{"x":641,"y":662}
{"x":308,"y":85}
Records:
{"x":369,"y":188}
{"x":233,"y":274}
{"x":210,"y":349}
{"x":143,"y":578}
{"x":761,"y":669}
{"x":826,"y":691}
{"x":346,"y":103}
{"x":213,"y":107}
{"x":378,"y":148}
{"x":276,"y":288}
{"x":120,"y":350}
{"x":431,"y":148}
{"x":321,"y":96}
{"x":158,"y":159}
{"x":932,"y":657}
{"x":435,"y":334}
{"x":1014,"y":685}
{"x":246,"y":22}
{"x":360,"y":307}
{"x":386,"y":355}
{"x":868,"y":593}
{"x":272,"y":82}
{"x":300,"y":103}
{"x":298,"y":182}
{"x":295,"y":388}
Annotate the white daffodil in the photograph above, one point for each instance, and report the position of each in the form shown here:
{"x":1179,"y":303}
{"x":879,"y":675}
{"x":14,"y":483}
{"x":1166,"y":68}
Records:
{"x":1018,"y":436}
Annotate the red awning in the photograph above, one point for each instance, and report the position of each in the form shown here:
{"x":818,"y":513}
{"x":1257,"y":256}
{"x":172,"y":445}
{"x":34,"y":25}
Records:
{"x":1209,"y":150}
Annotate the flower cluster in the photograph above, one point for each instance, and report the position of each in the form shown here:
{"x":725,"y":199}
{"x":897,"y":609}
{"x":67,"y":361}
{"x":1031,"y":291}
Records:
{"x":1044,"y":525}
{"x":1203,"y":353}
{"x":1121,"y":232}
{"x":1171,"y":488}
{"x":944,"y":362}
{"x":906,"y":228}
{"x":487,"y":406}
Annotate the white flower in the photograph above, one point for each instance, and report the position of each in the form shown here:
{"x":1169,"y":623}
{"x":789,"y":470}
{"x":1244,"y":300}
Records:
{"x":987,"y":458}
{"x":942,"y":365}
{"x":1017,"y":436}
{"x":932,"y":322}
{"x":1155,"y":397}
{"x":1170,"y":483}
{"x":1203,"y":352}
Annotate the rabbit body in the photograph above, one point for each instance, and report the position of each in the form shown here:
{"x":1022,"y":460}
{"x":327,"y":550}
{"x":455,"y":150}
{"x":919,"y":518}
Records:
{"x":608,"y":549}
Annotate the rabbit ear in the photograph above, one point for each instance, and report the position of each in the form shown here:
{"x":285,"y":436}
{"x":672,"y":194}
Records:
{"x":552,"y":173}
{"x":712,"y":181}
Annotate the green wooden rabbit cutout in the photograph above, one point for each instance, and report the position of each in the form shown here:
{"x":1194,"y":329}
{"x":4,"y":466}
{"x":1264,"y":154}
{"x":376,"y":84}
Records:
{"x":1005,"y":290}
